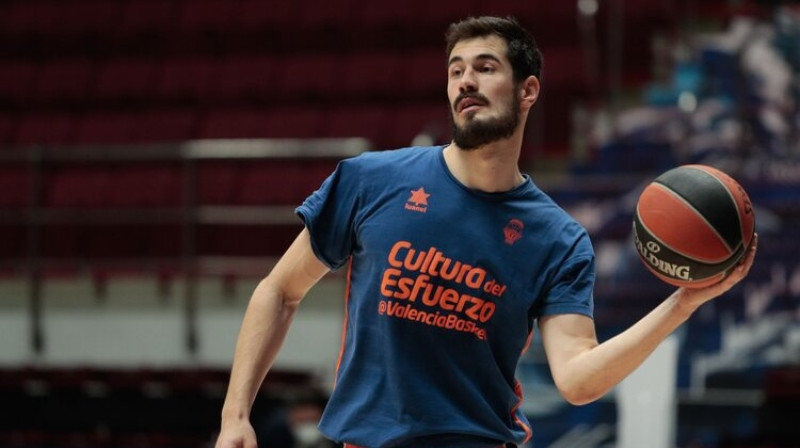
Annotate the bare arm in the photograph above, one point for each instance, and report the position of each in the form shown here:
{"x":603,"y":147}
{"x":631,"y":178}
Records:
{"x":264,"y":328}
{"x":585,"y":370}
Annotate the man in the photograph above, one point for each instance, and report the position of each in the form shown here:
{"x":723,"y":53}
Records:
{"x":452,"y":255}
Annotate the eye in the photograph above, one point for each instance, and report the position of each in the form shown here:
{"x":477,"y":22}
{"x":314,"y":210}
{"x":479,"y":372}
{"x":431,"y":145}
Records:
{"x":455,"y":72}
{"x":488,"y":68}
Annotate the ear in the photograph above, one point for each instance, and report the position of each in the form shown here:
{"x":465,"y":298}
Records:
{"x":529,"y":91}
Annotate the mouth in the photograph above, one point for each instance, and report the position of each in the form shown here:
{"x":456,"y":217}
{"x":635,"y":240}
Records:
{"x":470,"y":104}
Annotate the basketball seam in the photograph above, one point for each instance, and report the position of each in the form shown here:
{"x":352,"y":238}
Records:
{"x":696,"y":212}
{"x":735,"y":204}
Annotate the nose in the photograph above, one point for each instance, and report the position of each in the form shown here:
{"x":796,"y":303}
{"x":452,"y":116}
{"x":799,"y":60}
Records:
{"x":468,"y":81}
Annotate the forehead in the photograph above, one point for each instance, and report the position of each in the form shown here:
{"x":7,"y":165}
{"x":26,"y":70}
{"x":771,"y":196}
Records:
{"x":476,"y":47}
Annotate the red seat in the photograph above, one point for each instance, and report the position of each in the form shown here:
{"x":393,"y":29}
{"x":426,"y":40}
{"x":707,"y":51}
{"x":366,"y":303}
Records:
{"x":309,"y":76}
{"x":218,"y":182}
{"x":271,"y":182}
{"x":370,"y":75}
{"x":292,"y":122}
{"x":14,"y":186}
{"x":187,"y":80}
{"x":106,"y":127}
{"x":370,"y":122}
{"x":232,"y":123}
{"x":13,"y":249}
{"x":165,"y":125}
{"x":255,"y":15}
{"x":63,"y":81}
{"x":46,"y":128}
{"x":410,"y":121}
{"x":88,"y":18}
{"x":281,"y":122}
{"x":145,"y":184}
{"x":30,"y":18}
{"x":16,"y":80}
{"x":315,"y":171}
{"x":7,"y":129}
{"x":437,"y":15}
{"x":196,"y":16}
{"x":145,"y":17}
{"x":125,"y":80}
{"x":330,"y":13}
{"x":564,"y":68}
{"x":246,"y":240}
{"x":82,"y":186}
{"x":249,"y":78}
{"x":386,"y":14}
{"x":427,"y":75}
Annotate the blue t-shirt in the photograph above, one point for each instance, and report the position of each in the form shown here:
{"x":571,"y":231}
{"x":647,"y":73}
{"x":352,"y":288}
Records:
{"x":444,"y":286}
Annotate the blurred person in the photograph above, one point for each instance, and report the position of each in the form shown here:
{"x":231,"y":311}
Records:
{"x":291,"y":424}
{"x":452,"y":256}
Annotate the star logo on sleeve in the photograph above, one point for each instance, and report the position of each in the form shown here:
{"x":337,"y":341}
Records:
{"x":418,"y":202}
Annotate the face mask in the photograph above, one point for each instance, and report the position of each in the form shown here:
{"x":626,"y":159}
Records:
{"x":306,"y":434}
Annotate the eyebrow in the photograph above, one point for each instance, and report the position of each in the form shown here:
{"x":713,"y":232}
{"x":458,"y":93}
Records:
{"x":482,"y":56}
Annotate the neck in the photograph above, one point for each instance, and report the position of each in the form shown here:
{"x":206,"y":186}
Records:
{"x":491,"y":168}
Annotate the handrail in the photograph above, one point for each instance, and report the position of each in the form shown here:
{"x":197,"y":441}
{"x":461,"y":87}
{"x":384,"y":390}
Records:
{"x":188,"y":213}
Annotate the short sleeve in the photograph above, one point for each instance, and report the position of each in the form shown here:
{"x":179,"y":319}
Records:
{"x":571,"y":288}
{"x":329,"y":215}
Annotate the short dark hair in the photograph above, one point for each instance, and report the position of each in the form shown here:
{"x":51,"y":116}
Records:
{"x":524,"y":55}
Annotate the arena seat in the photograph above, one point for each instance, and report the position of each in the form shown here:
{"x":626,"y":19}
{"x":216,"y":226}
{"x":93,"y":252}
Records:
{"x":8,"y":126}
{"x":386,"y":15}
{"x":187,"y":80}
{"x":106,"y":127}
{"x":248,"y":78}
{"x":142,"y":19}
{"x":273,"y":182}
{"x":125,"y":80}
{"x":57,"y":128}
{"x":146,"y":185}
{"x":204,"y":16}
{"x":293,"y":122}
{"x":224,"y":240}
{"x":30,"y":19}
{"x":328,"y":15}
{"x":165,"y":125}
{"x":82,"y":186}
{"x":377,"y":75}
{"x":108,"y":185}
{"x":407,"y":122}
{"x":87,"y":22}
{"x":231,"y":123}
{"x":565,"y":70}
{"x":308,"y":77}
{"x":14,"y":186}
{"x":368,"y":121}
{"x":16,"y":80}
{"x":427,"y":75}
{"x":63,"y":81}
{"x":277,"y":15}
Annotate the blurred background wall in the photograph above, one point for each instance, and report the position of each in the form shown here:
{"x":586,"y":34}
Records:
{"x":152,"y":153}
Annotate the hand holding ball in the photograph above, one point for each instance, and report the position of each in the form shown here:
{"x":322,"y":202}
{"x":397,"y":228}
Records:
{"x":692,"y":225}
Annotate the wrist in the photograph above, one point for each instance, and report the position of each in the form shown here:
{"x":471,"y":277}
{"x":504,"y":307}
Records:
{"x":234,"y":414}
{"x":683,"y":303}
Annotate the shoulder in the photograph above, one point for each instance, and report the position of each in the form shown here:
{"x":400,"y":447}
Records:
{"x":390,"y":159}
{"x":565,"y":230}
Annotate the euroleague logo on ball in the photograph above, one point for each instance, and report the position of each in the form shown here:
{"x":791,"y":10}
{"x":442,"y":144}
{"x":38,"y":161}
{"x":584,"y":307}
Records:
{"x":648,"y":252}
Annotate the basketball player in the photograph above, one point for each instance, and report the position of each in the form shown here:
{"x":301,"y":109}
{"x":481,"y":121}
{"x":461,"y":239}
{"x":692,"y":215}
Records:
{"x":452,"y":254}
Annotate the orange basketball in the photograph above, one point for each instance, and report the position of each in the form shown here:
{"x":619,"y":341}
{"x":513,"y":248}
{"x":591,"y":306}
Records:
{"x":692,"y":224}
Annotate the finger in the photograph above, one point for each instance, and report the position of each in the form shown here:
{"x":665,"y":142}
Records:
{"x":742,"y":268}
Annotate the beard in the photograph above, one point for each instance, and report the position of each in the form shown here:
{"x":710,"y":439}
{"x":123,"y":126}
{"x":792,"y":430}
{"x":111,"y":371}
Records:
{"x":476,"y":132}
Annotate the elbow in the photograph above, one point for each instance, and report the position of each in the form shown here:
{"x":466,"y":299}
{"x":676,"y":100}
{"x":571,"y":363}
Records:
{"x":580,"y":395}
